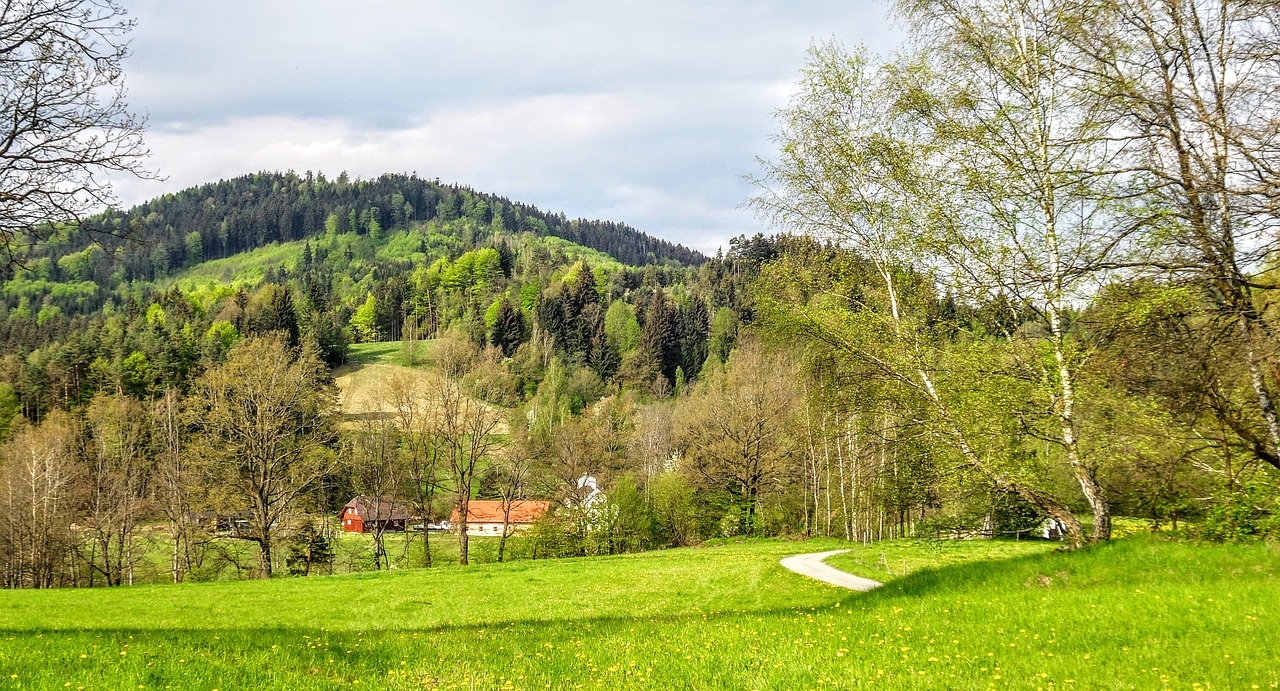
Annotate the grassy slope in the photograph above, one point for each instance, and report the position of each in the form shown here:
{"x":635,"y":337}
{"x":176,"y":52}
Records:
{"x":244,"y":269}
{"x":389,"y":353}
{"x":370,"y":366}
{"x":1136,"y":613}
{"x":247,"y":269}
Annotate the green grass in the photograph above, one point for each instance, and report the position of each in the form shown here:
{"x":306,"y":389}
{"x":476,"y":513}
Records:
{"x":229,"y":559}
{"x":1143,"y":612}
{"x":388,"y":353}
{"x":886,"y":561}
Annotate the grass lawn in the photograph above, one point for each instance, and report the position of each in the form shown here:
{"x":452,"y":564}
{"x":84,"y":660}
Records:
{"x":1143,"y":612}
{"x":370,"y":366}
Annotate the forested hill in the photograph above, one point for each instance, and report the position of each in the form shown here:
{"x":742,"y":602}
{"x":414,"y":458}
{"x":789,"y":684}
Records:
{"x":228,"y":217}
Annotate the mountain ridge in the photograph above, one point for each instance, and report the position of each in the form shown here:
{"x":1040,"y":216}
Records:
{"x":219,"y":219}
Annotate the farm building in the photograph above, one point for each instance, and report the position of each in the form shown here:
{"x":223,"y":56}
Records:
{"x":485,"y":517}
{"x":366,"y":513}
{"x":220,"y":523}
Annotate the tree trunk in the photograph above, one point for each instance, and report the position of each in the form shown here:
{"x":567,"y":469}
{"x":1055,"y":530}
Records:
{"x":264,"y":555}
{"x":1086,"y":475}
{"x":463,"y":505}
{"x":506,"y":522}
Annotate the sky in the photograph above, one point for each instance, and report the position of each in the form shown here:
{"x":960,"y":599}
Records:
{"x":648,"y":113}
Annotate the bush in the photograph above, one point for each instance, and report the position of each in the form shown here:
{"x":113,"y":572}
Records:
{"x":1253,"y":512}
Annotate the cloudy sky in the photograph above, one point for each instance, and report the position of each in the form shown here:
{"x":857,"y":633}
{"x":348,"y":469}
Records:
{"x":649,"y":113}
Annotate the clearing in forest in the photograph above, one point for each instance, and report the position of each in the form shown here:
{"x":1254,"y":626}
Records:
{"x":362,"y":382}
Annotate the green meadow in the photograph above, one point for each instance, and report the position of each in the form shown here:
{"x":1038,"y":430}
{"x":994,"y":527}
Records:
{"x":389,"y":353}
{"x":1144,"y":612}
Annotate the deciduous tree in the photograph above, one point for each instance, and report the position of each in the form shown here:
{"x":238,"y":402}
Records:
{"x":66,"y":121}
{"x":853,"y":169}
{"x":118,"y":469}
{"x":734,"y":429}
{"x":38,"y":493}
{"x":268,"y":415}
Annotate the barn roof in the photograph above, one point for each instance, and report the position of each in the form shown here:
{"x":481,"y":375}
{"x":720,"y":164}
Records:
{"x":388,"y":508}
{"x":491,"y":511}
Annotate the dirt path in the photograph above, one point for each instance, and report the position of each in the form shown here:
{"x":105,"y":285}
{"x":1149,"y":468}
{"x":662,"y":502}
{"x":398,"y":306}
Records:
{"x":812,"y":565}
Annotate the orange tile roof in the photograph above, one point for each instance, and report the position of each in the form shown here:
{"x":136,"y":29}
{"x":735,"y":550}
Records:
{"x":491,"y":511}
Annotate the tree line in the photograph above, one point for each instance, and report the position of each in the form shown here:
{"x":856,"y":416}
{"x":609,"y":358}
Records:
{"x":811,"y":413}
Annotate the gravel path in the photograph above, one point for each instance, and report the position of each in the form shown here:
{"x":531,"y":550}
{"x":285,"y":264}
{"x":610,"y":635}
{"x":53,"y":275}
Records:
{"x":812,"y":565}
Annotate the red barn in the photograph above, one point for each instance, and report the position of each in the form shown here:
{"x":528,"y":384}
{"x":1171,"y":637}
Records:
{"x":485,"y":517}
{"x":365,"y":513}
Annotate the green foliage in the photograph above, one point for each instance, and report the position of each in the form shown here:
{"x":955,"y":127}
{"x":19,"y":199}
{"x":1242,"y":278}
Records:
{"x":243,"y":269}
{"x":194,"y":248}
{"x":78,"y":266}
{"x":674,"y":510}
{"x":474,"y":270}
{"x":364,"y":321}
{"x":724,"y":334}
{"x":135,"y":373}
{"x":9,"y":408}
{"x":309,"y":550}
{"x":156,"y":315}
{"x":1251,"y":512}
{"x":47,"y":314}
{"x":223,"y":334}
{"x":491,"y":314}
{"x":506,"y":325}
{"x":621,"y":325}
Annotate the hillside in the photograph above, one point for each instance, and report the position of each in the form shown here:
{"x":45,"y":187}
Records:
{"x":342,"y":287}
{"x":1005,"y":614}
{"x":225,"y":218}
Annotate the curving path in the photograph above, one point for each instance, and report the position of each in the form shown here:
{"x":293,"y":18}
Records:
{"x":813,"y":566}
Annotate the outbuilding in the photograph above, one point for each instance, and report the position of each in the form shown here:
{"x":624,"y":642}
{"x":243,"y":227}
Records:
{"x":367,"y":513}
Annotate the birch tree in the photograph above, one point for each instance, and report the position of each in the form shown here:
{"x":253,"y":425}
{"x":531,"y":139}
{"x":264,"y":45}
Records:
{"x":118,"y":472}
{"x":39,"y":481}
{"x":175,"y":481}
{"x":1192,"y":89}
{"x":1034,"y":208}
{"x":854,"y":167}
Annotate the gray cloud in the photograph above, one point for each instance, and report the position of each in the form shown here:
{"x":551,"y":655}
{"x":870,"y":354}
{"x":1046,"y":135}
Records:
{"x":643,"y":112}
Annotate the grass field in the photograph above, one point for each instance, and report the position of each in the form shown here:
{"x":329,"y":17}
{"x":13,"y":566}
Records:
{"x":389,"y":353}
{"x":1145,"y":612}
{"x":362,"y":382}
{"x":229,"y":559}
